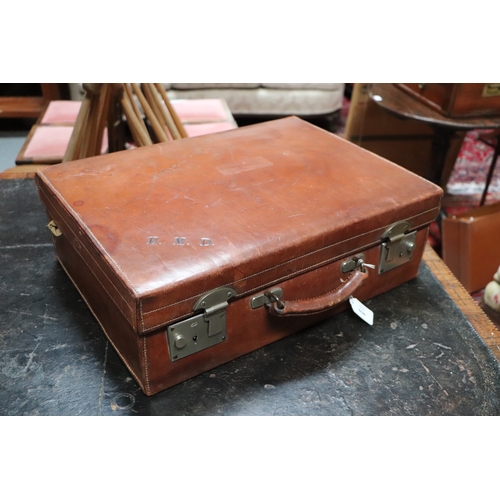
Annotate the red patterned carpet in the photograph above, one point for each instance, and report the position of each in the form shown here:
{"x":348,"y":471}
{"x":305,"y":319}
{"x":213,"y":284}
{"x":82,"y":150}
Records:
{"x":468,"y":178}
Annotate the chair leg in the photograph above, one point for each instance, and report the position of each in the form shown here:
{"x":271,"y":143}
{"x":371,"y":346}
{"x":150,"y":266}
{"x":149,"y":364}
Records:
{"x":171,"y":110}
{"x":136,"y":125}
{"x":160,"y":111}
{"x":161,"y":135}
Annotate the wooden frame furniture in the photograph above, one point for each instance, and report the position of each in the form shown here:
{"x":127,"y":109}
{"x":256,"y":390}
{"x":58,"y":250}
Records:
{"x":29,"y":106}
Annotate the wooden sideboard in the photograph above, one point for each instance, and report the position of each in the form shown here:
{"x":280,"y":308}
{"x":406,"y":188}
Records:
{"x":30,"y":106}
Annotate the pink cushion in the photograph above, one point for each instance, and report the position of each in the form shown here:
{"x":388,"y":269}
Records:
{"x":61,"y":112}
{"x":201,"y":110}
{"x":196,"y":129}
{"x":52,"y":142}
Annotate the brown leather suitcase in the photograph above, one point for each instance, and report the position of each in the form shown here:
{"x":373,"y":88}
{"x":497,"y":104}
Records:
{"x":471,"y":245}
{"x":194,"y":252}
{"x":457,"y":100}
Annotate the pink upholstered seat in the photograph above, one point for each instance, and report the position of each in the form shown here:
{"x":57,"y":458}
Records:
{"x":201,"y":110}
{"x":195,"y":129}
{"x":61,"y":112}
{"x":52,"y":142}
{"x":49,"y":139}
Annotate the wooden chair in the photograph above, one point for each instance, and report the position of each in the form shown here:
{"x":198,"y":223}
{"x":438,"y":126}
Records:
{"x":105,"y":103}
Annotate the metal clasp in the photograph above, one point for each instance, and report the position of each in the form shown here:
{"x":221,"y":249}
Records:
{"x":273,"y":295}
{"x":204,"y":330}
{"x":397,"y":246}
{"x":353,"y":263}
{"x":54,"y":229}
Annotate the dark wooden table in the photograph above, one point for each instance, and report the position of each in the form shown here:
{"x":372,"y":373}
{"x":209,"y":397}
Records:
{"x":401,"y":104}
{"x":431,"y":350}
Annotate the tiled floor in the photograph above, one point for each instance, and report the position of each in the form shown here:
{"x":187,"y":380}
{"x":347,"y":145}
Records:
{"x":13,"y":133}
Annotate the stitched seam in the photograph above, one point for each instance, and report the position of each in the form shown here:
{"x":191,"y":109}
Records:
{"x":141,"y":313}
{"x":145,"y":353}
{"x":137,"y":378}
{"x":280,"y":278}
{"x":289,"y":261}
{"x":159,"y":325}
{"x":322,"y":295}
{"x":97,"y":278}
{"x":247,"y":292}
{"x":91,"y":256}
{"x":68,"y":209}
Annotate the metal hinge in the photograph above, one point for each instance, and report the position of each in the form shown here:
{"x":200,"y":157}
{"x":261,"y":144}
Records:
{"x":203,"y":330}
{"x":397,"y":246}
{"x":54,"y":229}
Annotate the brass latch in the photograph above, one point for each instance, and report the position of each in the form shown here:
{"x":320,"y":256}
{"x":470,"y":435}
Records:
{"x":203,"y":330}
{"x":54,"y":229}
{"x":397,"y":246}
{"x":491,"y":90}
{"x":353,"y":263}
{"x":262,"y":299}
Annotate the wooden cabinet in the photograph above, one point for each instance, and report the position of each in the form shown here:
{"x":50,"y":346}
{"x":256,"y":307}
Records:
{"x":27,"y":100}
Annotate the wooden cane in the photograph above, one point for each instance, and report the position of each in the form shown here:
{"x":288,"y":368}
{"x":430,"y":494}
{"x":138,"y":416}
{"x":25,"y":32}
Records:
{"x":152,"y":96}
{"x":136,"y":125}
{"x":162,"y":110}
{"x":130,"y":96}
{"x":102,"y":117}
{"x":159,"y":132}
{"x":75,"y":142}
{"x":171,"y":110}
{"x":94,"y":130}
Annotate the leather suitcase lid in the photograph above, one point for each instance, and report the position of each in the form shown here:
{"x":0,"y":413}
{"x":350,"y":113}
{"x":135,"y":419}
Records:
{"x":245,"y":208}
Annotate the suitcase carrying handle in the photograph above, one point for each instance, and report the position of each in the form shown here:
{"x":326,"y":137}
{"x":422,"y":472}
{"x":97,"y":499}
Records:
{"x":319,"y":304}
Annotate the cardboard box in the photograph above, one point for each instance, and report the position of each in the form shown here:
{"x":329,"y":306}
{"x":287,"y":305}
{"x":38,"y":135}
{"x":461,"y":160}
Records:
{"x":471,"y":246}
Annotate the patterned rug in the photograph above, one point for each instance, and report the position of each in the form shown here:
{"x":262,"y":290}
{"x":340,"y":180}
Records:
{"x":468,"y":178}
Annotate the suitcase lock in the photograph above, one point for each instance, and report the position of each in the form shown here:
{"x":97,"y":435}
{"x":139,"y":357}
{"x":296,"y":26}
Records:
{"x":204,"y":330}
{"x":397,"y":246}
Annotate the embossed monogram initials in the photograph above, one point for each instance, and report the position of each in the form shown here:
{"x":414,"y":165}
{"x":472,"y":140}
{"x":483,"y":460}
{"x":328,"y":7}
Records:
{"x":180,"y":241}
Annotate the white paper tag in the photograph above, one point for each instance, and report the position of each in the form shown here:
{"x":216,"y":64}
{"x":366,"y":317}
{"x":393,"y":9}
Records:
{"x":361,"y":310}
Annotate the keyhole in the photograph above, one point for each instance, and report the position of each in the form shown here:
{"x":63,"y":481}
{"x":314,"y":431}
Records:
{"x":195,"y":338}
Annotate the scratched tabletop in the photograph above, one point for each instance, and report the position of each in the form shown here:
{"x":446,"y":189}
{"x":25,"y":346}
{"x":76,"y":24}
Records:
{"x":421,"y":356}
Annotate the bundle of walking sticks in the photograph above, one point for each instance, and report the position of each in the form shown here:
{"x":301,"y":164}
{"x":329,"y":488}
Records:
{"x":148,"y":113}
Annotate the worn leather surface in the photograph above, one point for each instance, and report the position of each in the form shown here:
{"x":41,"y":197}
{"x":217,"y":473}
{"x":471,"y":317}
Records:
{"x":55,"y":360}
{"x":146,"y":233}
{"x":320,"y":303}
{"x":160,"y":226}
